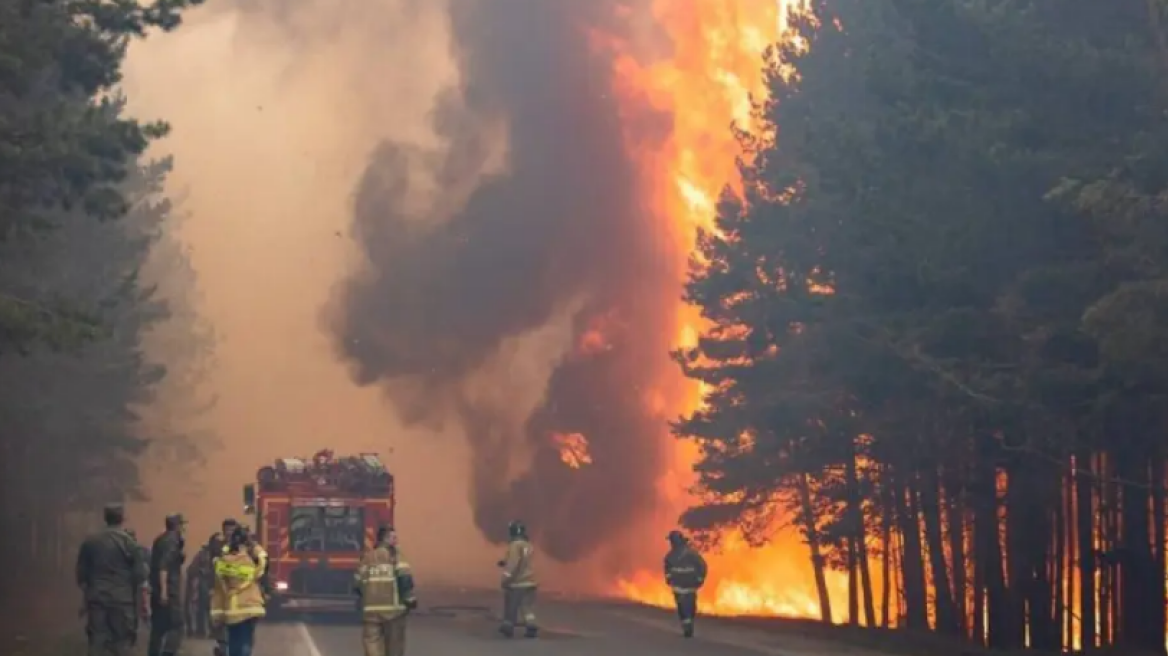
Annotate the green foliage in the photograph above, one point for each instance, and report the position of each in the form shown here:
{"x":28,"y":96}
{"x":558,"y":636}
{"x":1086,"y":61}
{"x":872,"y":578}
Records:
{"x":80,"y":297}
{"x":64,"y":143}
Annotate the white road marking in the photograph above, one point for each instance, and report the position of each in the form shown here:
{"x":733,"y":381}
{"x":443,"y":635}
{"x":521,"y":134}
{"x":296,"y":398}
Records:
{"x":309,"y":643}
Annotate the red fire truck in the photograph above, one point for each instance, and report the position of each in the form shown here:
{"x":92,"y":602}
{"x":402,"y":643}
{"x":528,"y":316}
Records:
{"x":314,"y":517}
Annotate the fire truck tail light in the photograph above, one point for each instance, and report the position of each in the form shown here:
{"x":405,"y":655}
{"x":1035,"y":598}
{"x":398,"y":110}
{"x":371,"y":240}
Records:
{"x":281,"y":586}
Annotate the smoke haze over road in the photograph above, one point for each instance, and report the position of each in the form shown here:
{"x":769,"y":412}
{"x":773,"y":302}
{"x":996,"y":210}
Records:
{"x":425,"y":203}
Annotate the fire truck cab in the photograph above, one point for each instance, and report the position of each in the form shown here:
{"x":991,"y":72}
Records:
{"x":314,"y":517}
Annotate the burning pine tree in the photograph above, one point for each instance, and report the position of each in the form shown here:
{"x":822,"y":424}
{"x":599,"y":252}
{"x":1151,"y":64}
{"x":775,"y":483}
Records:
{"x":976,"y":410}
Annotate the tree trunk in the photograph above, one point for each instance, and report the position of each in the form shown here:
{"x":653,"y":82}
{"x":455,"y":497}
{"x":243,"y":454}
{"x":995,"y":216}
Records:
{"x":955,"y":507}
{"x":853,"y":583}
{"x":990,"y":559}
{"x":1068,"y":572}
{"x":912,"y":559}
{"x":942,"y":590}
{"x":811,"y":532}
{"x":1058,"y":568}
{"x":1017,"y":559}
{"x":1141,"y":584}
{"x":1157,"y":608}
{"x":1085,"y":529}
{"x":886,"y":556}
{"x":859,"y":547}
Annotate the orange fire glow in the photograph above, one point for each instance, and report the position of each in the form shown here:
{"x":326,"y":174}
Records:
{"x":708,"y":82}
{"x":573,"y":449}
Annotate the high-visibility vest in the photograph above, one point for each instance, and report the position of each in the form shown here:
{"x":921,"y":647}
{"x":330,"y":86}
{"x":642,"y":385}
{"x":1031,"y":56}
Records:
{"x":257,"y":554}
{"x":236,"y":596}
{"x":377,"y":578}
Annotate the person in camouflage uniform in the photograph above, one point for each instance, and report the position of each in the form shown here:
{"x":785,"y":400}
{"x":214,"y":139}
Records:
{"x":111,"y":573}
{"x":197,"y":601}
{"x":166,"y":567}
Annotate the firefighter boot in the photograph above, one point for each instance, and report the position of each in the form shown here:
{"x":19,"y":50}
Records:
{"x":687,"y":629}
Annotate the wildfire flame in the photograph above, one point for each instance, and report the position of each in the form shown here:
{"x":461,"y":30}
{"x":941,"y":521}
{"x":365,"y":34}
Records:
{"x":708,"y":83}
{"x":573,"y":449}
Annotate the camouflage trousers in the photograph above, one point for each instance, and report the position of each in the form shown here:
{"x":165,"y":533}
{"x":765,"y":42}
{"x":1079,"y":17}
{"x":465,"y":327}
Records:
{"x":166,"y":629}
{"x":112,"y":629}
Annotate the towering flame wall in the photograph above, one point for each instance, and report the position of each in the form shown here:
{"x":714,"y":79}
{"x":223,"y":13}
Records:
{"x":706,"y":84}
{"x":568,"y":251}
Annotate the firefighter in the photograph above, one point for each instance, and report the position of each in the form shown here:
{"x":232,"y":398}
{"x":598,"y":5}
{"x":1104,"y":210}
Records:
{"x":685,"y":572}
{"x":237,"y":604}
{"x":198,"y":593}
{"x":218,"y":546}
{"x":385,"y":585}
{"x":112,"y":578}
{"x":166,"y":564}
{"x":519,"y":584}
{"x":260,"y":556}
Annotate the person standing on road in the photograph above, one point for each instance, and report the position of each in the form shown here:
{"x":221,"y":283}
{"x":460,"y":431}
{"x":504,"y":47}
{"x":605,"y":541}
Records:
{"x":237,"y":603}
{"x":112,"y":578}
{"x":685,"y":572}
{"x":217,"y":546}
{"x":519,"y":584}
{"x":166,"y":612}
{"x":385,"y":585}
{"x":197,"y":594}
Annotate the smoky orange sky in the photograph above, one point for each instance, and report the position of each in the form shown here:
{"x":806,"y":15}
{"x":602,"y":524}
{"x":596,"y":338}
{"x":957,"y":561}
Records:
{"x":273,"y":119}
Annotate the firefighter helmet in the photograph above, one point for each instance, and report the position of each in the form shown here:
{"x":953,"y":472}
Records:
{"x":676,"y":538}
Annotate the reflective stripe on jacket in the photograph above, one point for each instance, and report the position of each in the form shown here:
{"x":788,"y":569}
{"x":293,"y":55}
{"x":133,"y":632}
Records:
{"x":518,"y":568}
{"x":685,"y":570}
{"x":236,"y":596}
{"x":377,"y":578}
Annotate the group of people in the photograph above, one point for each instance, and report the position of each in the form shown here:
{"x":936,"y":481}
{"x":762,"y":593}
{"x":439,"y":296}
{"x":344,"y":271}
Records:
{"x":385,"y":584}
{"x":685,"y":572}
{"x":123,"y":584}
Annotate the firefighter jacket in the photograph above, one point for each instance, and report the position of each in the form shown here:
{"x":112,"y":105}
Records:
{"x":518,"y":568}
{"x":257,"y":553}
{"x":236,"y":596}
{"x":385,"y":582}
{"x":260,"y":556}
{"x":685,"y":570}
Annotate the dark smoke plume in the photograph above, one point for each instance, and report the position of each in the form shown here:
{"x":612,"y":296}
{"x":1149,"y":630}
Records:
{"x":564,"y":223}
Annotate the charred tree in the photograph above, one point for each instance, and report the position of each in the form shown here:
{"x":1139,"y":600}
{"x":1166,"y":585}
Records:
{"x":912,"y":557}
{"x":930,"y":494}
{"x":811,"y":532}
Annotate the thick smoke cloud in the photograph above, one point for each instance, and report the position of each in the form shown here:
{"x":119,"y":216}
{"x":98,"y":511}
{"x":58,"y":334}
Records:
{"x":561,"y":231}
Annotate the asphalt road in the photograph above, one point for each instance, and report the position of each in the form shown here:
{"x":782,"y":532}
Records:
{"x":463,"y":623}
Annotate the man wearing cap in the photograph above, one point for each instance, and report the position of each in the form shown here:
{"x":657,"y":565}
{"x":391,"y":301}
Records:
{"x":166,"y":565}
{"x":112,"y":578}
